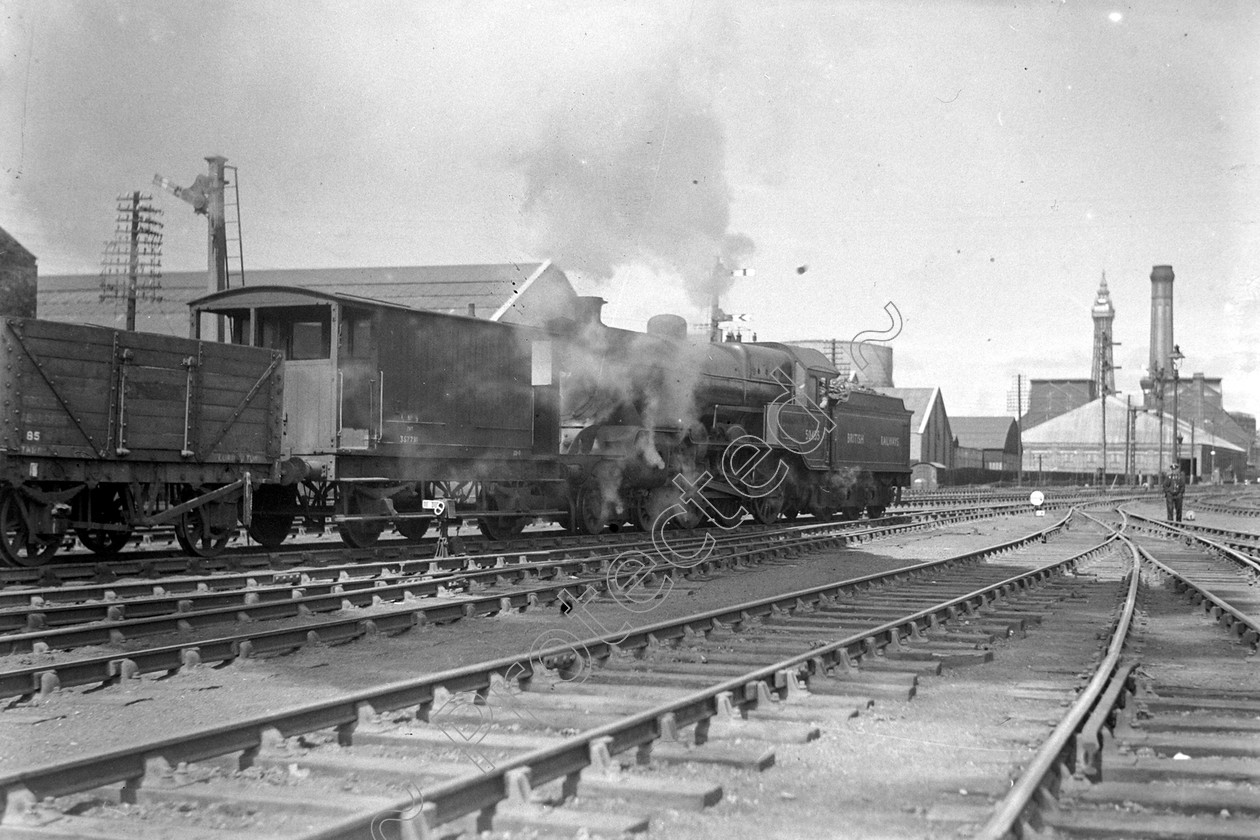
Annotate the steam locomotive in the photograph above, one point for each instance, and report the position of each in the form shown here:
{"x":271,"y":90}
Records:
{"x":333,"y":408}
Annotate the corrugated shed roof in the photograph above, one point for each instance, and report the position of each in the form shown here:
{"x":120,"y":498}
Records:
{"x":985,"y":432}
{"x":1083,"y":427}
{"x":917,"y":400}
{"x":443,"y":288}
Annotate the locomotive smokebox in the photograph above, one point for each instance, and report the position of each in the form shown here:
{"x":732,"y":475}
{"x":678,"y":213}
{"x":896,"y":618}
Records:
{"x":668,"y":326}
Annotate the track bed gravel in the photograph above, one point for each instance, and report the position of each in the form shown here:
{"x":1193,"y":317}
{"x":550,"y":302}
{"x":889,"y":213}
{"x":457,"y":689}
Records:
{"x":78,"y":722}
{"x":931,"y":767}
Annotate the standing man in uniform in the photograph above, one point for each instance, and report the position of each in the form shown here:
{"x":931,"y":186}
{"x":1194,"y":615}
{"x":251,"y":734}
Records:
{"x":1174,"y":491}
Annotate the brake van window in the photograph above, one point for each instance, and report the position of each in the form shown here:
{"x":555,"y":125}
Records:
{"x":300,"y":332}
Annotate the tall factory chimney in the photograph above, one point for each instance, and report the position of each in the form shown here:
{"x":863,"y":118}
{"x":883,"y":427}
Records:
{"x":1161,"y":330}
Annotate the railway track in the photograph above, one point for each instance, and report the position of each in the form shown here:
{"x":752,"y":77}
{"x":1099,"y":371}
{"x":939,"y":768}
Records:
{"x":573,"y":715}
{"x":1247,"y":508}
{"x":288,"y":611}
{"x":1163,"y":742}
{"x":191,"y":574}
{"x":325,"y":548}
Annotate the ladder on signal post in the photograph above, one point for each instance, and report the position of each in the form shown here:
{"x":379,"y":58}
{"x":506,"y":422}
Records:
{"x":232,"y":220}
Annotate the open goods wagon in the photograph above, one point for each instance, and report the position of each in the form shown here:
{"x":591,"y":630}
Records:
{"x":106,"y":431}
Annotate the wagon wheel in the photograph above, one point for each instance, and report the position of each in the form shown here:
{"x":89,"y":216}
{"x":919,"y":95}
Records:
{"x":108,"y":507}
{"x":314,"y":504}
{"x":273,"y":515}
{"x":790,"y":512}
{"x":500,"y":527}
{"x":413,"y":530}
{"x":196,"y":533}
{"x":361,"y":534}
{"x":874,"y":511}
{"x":19,"y":546}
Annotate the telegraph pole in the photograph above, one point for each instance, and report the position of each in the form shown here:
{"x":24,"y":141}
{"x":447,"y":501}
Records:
{"x":131,"y":267}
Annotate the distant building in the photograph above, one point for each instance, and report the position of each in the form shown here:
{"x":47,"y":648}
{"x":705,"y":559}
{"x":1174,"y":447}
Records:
{"x":869,"y":364}
{"x":528,"y":293}
{"x":995,"y":439}
{"x":1104,"y":315}
{"x":18,"y":278}
{"x":1247,"y":423}
{"x":1069,"y":447}
{"x":1050,"y":398}
{"x":1200,"y":402}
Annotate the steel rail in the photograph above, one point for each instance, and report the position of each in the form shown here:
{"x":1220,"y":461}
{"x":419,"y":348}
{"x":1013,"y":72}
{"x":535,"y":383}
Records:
{"x":1007,"y":819}
{"x":1232,"y":510}
{"x":244,"y":599}
{"x":1243,"y":627}
{"x":109,"y":624}
{"x":512,"y":779}
{"x":113,"y":590}
{"x":23,"y":789}
{"x":279,"y":561}
{"x":178,"y":613}
{"x":41,"y":680}
{"x":1237,"y":556}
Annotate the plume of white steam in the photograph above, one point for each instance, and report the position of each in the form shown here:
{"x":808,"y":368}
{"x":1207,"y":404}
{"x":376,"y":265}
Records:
{"x":633,"y":172}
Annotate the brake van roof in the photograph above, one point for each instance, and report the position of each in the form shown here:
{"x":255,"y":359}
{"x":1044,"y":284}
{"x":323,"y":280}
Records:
{"x":251,"y":297}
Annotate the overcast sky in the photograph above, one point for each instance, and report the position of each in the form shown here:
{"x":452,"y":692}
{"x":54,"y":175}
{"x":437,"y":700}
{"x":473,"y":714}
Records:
{"x":978,"y":164}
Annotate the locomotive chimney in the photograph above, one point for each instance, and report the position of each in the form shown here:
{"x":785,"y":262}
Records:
{"x":586,"y":310}
{"x":1161,"y":332}
{"x":1161,"y":316}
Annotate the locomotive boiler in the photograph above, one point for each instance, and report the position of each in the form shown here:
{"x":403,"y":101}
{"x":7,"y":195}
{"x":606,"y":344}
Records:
{"x":642,"y":408}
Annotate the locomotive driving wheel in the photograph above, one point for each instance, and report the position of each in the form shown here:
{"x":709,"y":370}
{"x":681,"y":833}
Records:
{"x":19,"y":543}
{"x":108,"y":507}
{"x":668,"y":501}
{"x":592,"y":509}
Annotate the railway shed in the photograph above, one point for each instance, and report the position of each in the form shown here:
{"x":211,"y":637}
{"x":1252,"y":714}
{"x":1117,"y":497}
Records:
{"x":18,"y":278}
{"x":931,"y":437}
{"x":996,"y":442}
{"x":1069,"y":447}
{"x":519,"y":293}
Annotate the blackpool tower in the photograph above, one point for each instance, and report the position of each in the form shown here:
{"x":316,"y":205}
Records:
{"x":1103,"y":370}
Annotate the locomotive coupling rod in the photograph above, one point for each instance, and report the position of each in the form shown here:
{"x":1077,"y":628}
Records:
{"x":173,"y":513}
